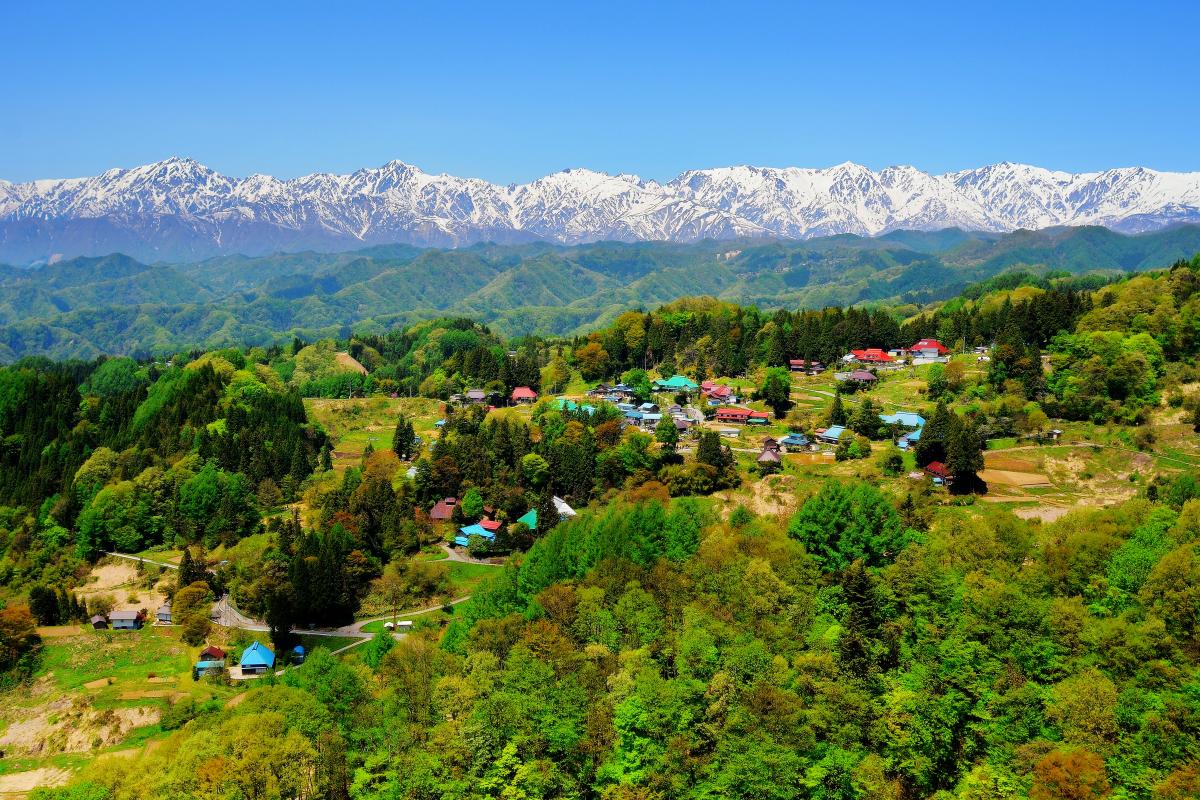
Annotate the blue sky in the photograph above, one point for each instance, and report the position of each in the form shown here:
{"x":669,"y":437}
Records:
{"x":511,"y":91}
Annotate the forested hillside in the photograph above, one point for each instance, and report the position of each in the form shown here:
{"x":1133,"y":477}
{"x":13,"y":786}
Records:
{"x":83,"y":307}
{"x":999,"y":600}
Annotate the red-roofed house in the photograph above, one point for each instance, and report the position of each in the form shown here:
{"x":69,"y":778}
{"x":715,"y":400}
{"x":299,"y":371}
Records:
{"x":738,"y":415}
{"x":490,"y":525}
{"x":872,"y":355}
{"x":758,"y":418}
{"x":929,"y":348}
{"x":717,"y":393}
{"x":444,"y":509}
{"x":523,"y":394}
{"x":938,"y":470}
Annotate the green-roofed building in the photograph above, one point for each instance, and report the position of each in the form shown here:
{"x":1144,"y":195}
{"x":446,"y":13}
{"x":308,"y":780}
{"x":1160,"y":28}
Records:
{"x":566,"y":404}
{"x":529,"y":518}
{"x":676,"y":383}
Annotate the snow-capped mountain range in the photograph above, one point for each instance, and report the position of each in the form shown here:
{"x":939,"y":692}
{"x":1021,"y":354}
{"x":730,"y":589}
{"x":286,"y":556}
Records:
{"x":179,"y":209}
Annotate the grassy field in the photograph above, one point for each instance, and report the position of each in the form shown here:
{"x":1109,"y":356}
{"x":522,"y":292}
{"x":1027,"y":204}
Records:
{"x":465,"y":577}
{"x":97,"y":693}
{"x":351,"y":424}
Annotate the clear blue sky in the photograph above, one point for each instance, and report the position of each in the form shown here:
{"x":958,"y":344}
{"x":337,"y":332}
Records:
{"x":509,"y":91}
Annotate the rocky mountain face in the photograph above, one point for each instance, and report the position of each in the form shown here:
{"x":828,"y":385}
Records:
{"x":180,"y":210}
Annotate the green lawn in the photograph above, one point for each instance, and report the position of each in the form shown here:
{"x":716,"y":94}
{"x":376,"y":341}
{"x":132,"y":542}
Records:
{"x":124,"y":656}
{"x":465,"y":578}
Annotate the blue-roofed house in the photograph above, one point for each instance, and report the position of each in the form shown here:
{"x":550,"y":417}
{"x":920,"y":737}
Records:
{"x":794,"y":441}
{"x":257,"y":659}
{"x":909,"y":419}
{"x":831,"y":434}
{"x":441,"y":423}
{"x":909,"y":439}
{"x":463,"y":538}
{"x":298,"y":654}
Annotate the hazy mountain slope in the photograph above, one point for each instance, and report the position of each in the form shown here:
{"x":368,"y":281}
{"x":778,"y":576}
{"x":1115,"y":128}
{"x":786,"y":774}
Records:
{"x":179,"y":210}
{"x":80,"y":307}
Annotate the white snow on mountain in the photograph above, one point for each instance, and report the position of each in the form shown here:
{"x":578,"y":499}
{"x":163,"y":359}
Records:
{"x":179,"y":207}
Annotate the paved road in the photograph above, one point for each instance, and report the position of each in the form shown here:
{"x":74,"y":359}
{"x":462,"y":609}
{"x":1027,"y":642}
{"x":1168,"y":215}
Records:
{"x":460,"y":555}
{"x":356,"y":628}
{"x":224,"y":613}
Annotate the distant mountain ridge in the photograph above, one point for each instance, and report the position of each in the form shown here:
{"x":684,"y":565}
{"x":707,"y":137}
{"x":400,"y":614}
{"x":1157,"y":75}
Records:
{"x":86,"y":306}
{"x":180,"y":210}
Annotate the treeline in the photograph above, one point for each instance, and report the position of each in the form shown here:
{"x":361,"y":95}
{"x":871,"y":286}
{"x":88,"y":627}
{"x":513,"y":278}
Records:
{"x":116,"y":455}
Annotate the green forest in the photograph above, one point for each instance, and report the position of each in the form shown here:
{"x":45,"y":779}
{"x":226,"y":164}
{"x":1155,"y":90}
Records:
{"x":115,"y":305}
{"x":1007,"y":608}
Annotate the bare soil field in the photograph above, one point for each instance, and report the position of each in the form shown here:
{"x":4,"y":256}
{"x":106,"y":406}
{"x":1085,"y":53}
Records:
{"x":1010,"y":478}
{"x":19,"y":784}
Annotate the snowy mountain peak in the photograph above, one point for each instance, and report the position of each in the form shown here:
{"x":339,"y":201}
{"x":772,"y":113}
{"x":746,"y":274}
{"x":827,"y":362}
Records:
{"x":179,"y":208}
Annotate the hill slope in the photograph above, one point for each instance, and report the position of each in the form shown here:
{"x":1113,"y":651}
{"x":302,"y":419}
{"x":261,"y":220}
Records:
{"x":115,"y":304}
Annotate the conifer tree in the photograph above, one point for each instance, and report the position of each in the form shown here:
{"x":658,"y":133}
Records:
{"x":402,"y":440}
{"x":837,"y":412}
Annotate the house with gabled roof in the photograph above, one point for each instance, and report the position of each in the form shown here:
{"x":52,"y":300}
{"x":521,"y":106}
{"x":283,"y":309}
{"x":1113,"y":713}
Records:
{"x":256,"y":660}
{"x":794,"y":442}
{"x":676,"y":383}
{"x":929,"y":348}
{"x":938,"y":471}
{"x":908,"y":419}
{"x":830,"y":435}
{"x":871,"y":355}
{"x":443,"y":510}
{"x":733,"y":414}
{"x":126,"y":620}
{"x":523,"y":394}
{"x":212,"y":653}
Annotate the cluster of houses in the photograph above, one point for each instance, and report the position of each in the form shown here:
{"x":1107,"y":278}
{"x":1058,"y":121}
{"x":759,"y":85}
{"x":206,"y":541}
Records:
{"x":123,"y":620}
{"x":773,"y":449}
{"x":257,"y":660}
{"x":649,"y":415}
{"x":130,"y":620}
{"x":806,"y":366}
{"x":482,"y":397}
{"x":718,"y":393}
{"x":489,"y":526}
{"x":926,"y":351}
{"x":906,"y":419}
{"x":902,"y":419}
{"x":613,"y":394}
